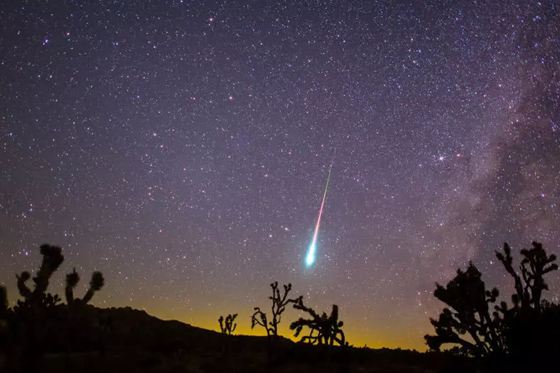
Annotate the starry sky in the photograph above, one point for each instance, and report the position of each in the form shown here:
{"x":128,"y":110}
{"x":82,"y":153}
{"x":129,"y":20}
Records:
{"x":182,"y":147}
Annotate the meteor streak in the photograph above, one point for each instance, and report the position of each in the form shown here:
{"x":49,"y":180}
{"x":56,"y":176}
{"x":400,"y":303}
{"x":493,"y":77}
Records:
{"x":310,"y":257}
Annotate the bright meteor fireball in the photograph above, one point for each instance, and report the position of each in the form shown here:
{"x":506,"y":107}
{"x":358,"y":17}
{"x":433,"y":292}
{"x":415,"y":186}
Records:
{"x":312,"y":249}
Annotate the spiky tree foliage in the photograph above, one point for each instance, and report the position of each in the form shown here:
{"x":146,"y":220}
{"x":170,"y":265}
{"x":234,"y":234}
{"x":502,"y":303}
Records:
{"x":52,"y":259}
{"x":323,"y":329}
{"x":33,"y":317}
{"x":529,"y":279}
{"x":73,"y":278}
{"x":259,"y":318}
{"x":279,"y":302}
{"x":96,"y":283}
{"x":468,"y":322}
{"x":22,"y":284}
{"x":227,"y":324}
{"x":37,"y":317}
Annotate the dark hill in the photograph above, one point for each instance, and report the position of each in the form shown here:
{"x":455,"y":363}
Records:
{"x":128,"y":340}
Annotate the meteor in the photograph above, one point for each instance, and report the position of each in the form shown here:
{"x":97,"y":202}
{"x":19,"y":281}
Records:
{"x":312,"y":249}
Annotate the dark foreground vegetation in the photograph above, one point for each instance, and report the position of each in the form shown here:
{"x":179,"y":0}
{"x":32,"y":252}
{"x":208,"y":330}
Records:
{"x":41,"y":333}
{"x":520,"y":336}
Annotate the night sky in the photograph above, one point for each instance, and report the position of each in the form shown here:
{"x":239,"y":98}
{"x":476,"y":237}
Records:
{"x":182,"y":148}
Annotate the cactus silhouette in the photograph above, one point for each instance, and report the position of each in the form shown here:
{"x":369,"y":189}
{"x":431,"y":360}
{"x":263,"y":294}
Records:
{"x":323,"y":329}
{"x":73,"y":278}
{"x":227,"y":324}
{"x":279,"y":302}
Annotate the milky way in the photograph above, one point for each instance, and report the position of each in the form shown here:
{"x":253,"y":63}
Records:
{"x":181,"y":148}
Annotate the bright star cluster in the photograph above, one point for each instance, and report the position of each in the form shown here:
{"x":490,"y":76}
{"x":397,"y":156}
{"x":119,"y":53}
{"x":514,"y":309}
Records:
{"x":181,"y":147}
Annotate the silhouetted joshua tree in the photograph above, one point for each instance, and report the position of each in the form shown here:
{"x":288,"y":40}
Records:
{"x":227,"y":324}
{"x":38,"y":297}
{"x":279,"y":303}
{"x":33,"y":315}
{"x":323,"y":329}
{"x":529,"y":281}
{"x":470,"y":303}
{"x":468,"y":314}
{"x":96,"y":283}
{"x":38,"y":316}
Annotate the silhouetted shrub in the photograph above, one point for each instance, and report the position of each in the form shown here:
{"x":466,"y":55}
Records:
{"x":323,"y":329}
{"x":227,"y":324}
{"x":279,"y":303}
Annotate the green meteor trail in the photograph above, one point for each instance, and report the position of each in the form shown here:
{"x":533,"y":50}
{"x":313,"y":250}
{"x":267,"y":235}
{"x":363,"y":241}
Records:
{"x":311,"y":251}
